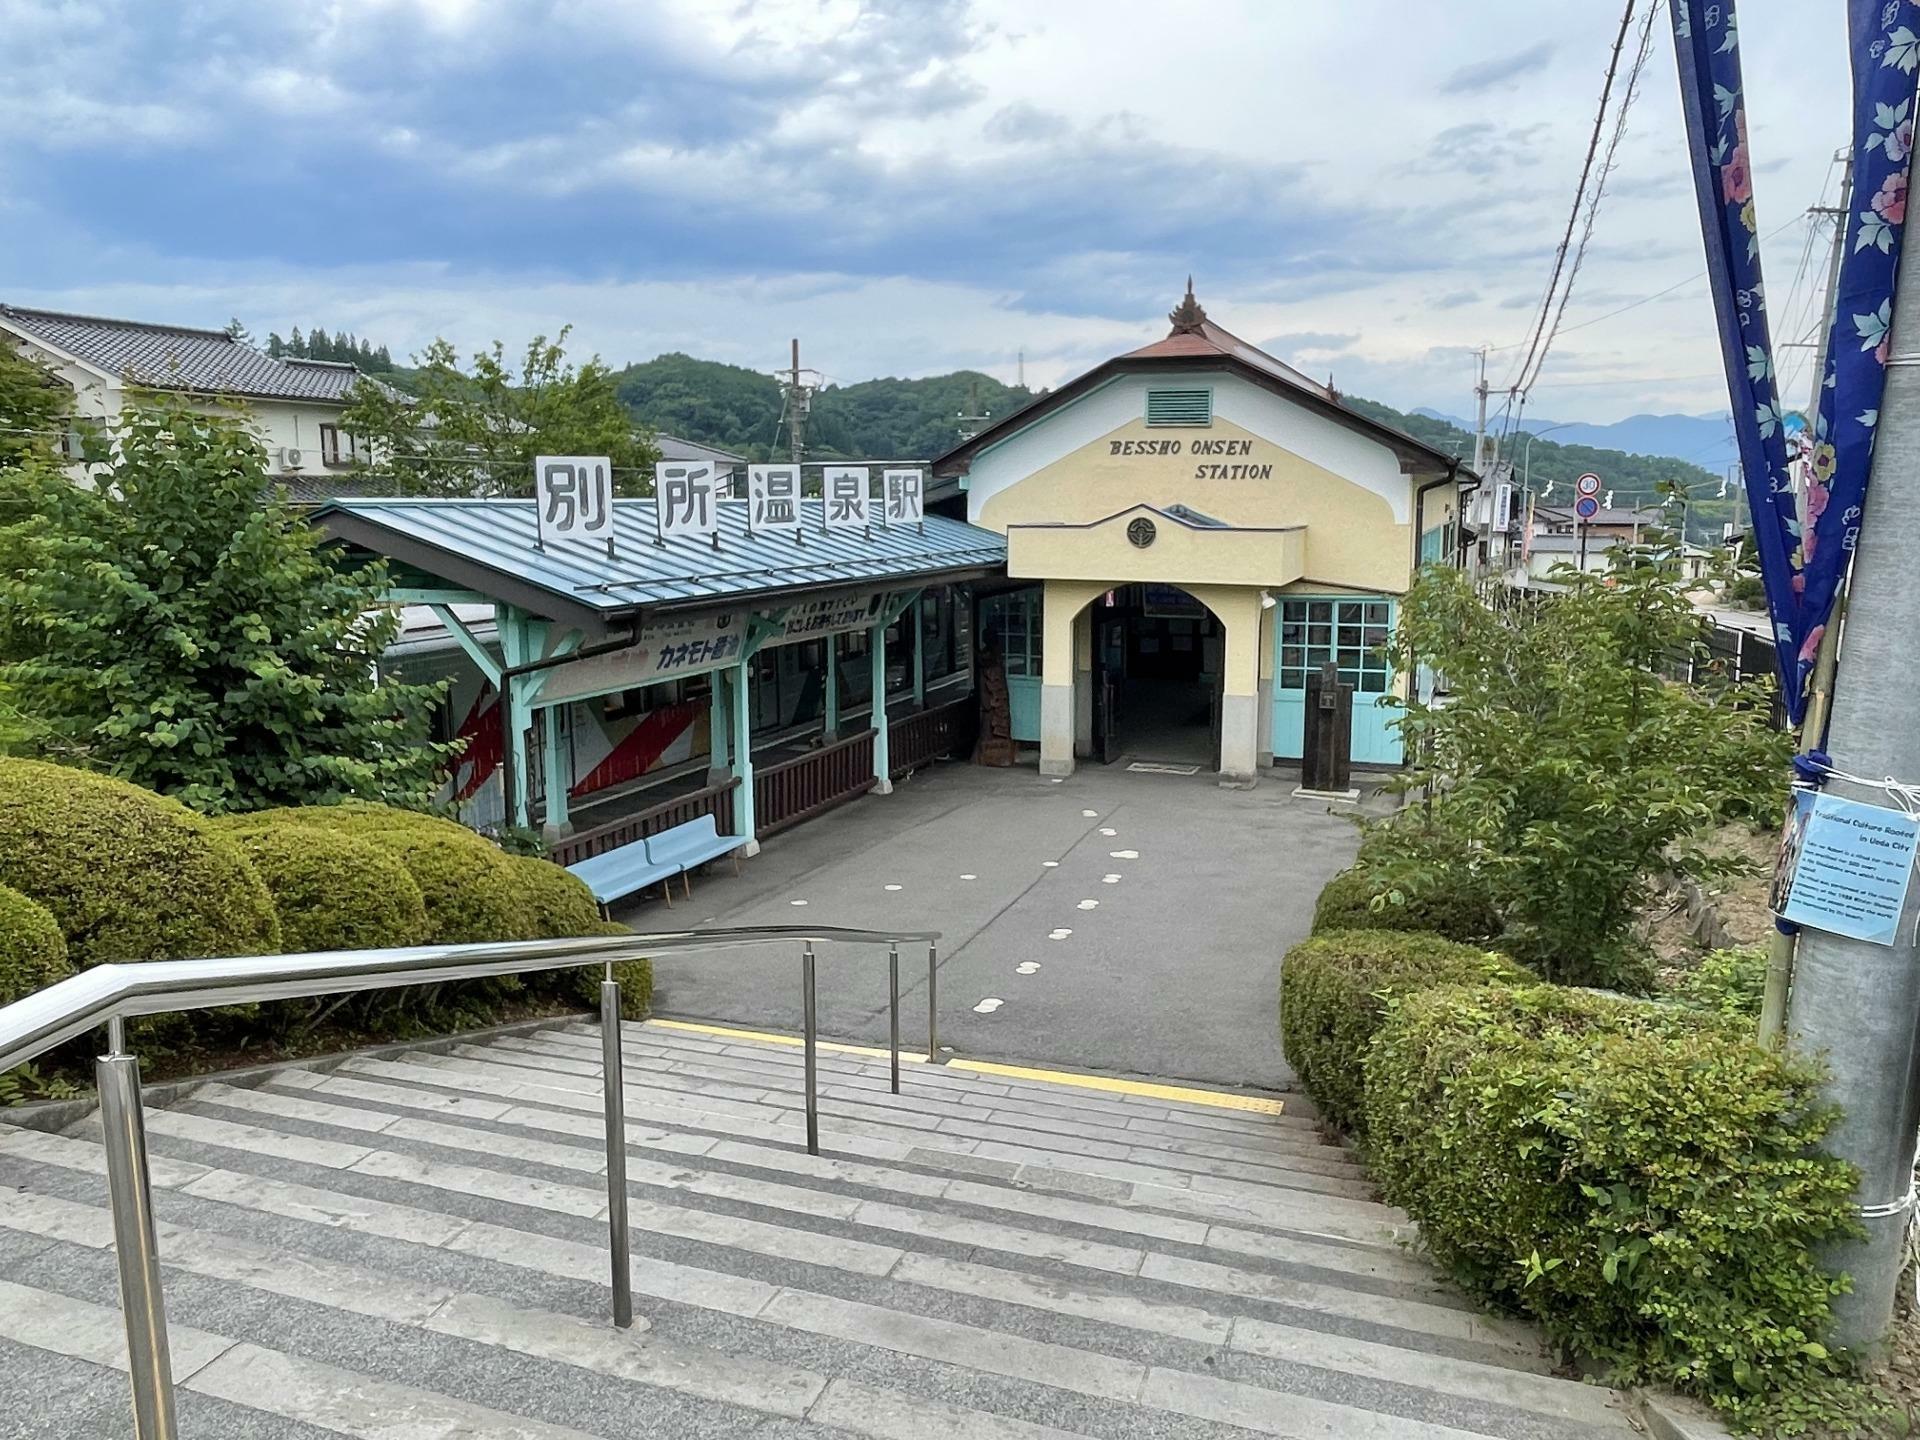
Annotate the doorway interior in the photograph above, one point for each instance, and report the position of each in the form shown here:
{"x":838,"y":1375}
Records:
{"x":1158,"y":663}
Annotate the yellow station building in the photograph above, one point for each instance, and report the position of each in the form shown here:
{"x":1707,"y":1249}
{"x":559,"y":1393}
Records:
{"x":1198,"y":526}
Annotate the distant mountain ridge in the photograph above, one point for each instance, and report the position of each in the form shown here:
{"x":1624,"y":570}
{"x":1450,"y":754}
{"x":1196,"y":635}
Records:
{"x":1703,"y":440}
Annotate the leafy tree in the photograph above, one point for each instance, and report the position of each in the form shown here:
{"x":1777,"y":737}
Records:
{"x":297,"y":344}
{"x":276,"y":346}
{"x":177,"y":625}
{"x":34,"y":405}
{"x":1564,"y":764}
{"x":238,"y":330}
{"x":477,"y":431}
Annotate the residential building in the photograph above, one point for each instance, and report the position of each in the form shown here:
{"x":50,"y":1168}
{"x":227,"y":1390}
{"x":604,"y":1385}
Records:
{"x":294,"y":404}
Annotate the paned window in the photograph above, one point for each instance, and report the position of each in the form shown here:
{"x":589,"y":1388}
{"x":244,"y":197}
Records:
{"x":1351,"y":633}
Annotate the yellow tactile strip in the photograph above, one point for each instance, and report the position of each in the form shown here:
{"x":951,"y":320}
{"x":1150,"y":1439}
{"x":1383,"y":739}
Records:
{"x":1184,"y":1094}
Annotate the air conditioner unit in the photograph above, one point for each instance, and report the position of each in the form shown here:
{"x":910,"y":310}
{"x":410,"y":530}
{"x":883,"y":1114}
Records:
{"x":292,"y":457}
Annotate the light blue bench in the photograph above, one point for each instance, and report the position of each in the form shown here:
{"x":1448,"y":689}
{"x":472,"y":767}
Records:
{"x":656,"y":860}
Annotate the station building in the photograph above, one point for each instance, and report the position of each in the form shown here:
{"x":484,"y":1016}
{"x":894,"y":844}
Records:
{"x":1192,"y":528}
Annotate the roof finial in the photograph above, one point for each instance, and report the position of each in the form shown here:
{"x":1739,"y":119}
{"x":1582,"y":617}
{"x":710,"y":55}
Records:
{"x":1188,"y":317}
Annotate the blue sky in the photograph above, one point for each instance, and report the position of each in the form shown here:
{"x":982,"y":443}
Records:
{"x":1369,"y":188}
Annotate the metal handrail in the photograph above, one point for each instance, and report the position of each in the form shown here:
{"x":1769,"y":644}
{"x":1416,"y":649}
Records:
{"x":112,"y":994}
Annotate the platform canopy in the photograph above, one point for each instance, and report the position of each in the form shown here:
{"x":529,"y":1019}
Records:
{"x":487,"y":550}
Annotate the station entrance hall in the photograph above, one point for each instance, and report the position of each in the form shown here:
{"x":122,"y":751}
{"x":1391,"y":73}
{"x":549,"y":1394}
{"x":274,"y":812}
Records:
{"x":1192,"y":529}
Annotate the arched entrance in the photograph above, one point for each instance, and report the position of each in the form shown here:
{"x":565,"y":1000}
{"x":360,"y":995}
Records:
{"x":1158,"y":664}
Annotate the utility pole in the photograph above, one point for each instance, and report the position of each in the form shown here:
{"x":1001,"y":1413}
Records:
{"x":971,"y":419}
{"x":1480,"y":421}
{"x":799,"y":405}
{"x":1854,"y":1005}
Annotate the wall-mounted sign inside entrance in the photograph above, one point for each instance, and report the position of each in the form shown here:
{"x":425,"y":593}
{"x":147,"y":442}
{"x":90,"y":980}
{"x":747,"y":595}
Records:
{"x":573,"y":497}
{"x":664,"y":649}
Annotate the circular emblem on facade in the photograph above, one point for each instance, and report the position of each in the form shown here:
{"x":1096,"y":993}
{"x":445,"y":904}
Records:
{"x":1142,"y":532}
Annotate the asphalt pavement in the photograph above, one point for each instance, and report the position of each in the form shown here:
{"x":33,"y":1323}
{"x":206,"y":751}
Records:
{"x":1124,"y":922}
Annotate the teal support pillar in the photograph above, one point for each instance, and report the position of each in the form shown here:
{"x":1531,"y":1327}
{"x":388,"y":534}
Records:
{"x":832,"y":722}
{"x":743,"y":818}
{"x":719,"y":723}
{"x":559,"y":773}
{"x":920,"y":652}
{"x":882,"y":761}
{"x":517,"y":647}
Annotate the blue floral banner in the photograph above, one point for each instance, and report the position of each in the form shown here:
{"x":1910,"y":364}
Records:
{"x":1802,"y":565}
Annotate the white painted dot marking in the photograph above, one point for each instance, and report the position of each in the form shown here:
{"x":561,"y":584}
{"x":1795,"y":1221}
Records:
{"x":796,"y":902}
{"x":1124,"y":854}
{"x":1108,"y":830}
{"x":1051,"y":864}
{"x":1059,"y":932}
{"x":893,"y":887}
{"x":969,"y":877}
{"x":1109,"y":879}
{"x":1057,"y":782}
{"x":1091,"y":814}
{"x":1026,"y":967}
{"x":1089,"y":904}
{"x":988,"y":1005}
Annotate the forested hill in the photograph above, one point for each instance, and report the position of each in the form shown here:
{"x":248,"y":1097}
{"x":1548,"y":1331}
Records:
{"x":739,"y":409}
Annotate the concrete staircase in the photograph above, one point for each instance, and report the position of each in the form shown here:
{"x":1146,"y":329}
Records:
{"x":414,"y":1248}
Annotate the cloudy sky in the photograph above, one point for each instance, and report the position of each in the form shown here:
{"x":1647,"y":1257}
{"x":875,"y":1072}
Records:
{"x":1371,"y":188}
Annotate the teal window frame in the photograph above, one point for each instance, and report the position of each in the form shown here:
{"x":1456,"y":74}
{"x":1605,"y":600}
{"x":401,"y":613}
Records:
{"x":1352,"y":632}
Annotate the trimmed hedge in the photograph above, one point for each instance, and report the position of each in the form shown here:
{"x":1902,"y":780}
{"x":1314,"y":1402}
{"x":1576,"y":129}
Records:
{"x":334,"y":890}
{"x":128,"y":875}
{"x":1728,"y":982}
{"x":556,"y":904}
{"x":1454,"y":908}
{"x":1335,"y":990}
{"x":560,"y":906}
{"x":467,"y":883}
{"x":33,"y":955}
{"x":1640,"y":1178}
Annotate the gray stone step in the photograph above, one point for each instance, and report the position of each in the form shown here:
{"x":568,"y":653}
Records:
{"x":425,"y":1234}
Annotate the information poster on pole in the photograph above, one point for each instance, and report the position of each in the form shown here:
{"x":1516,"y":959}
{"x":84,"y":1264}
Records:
{"x":1845,"y":866}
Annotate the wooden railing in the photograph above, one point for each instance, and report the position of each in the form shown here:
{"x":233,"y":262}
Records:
{"x":930,"y":735}
{"x":714,"y":800}
{"x":805,"y":786}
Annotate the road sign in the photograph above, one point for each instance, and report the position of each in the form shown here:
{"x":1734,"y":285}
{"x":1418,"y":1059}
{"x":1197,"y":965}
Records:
{"x":1588,"y":484}
{"x":1586,"y":507}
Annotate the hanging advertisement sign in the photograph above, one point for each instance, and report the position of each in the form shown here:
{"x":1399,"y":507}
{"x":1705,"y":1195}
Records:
{"x":1803,"y":541}
{"x":686,"y":499}
{"x":846,"y":503}
{"x":831,"y":615}
{"x":1845,"y":867}
{"x":664,"y":650}
{"x":573,"y":497}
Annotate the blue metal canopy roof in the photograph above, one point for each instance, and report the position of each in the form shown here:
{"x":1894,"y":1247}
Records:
{"x":489,"y":546}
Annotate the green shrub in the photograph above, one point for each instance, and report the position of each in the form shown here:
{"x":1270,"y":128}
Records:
{"x":562,"y":906}
{"x":468,"y":884}
{"x":1640,"y":1178}
{"x":1335,"y":990}
{"x":1454,"y":908}
{"x":1732,"y":981}
{"x":127,"y":875}
{"x":557,"y":904}
{"x":33,"y":955}
{"x":334,"y":891}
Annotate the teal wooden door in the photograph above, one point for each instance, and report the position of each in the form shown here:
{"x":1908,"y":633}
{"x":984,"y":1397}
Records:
{"x":1349,"y":632}
{"x":1011,"y":620}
